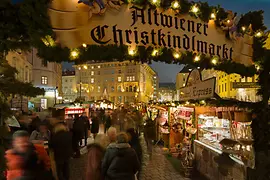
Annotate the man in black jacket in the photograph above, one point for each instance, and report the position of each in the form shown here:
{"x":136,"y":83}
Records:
{"x":120,"y":161}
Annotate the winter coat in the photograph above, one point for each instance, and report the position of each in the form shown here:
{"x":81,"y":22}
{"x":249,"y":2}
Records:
{"x":120,"y":162}
{"x":22,"y":164}
{"x":78,"y":127}
{"x":135,"y":144}
{"x":95,"y":155}
{"x":108,"y":122}
{"x":95,"y":125}
{"x":61,"y":144}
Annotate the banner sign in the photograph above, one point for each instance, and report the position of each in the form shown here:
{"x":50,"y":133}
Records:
{"x":131,"y":25}
{"x":196,"y":88}
{"x":237,"y":85}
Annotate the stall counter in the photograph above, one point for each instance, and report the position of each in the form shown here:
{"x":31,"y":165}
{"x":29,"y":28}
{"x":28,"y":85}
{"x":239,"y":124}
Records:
{"x":207,"y":166}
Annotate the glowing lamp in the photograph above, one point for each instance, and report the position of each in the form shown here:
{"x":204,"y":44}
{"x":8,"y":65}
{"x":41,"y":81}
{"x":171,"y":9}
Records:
{"x":194,"y":9}
{"x":84,"y":45}
{"x":176,"y":55}
{"x":243,"y":28}
{"x":197,"y":58}
{"x":131,"y":52}
{"x":214,"y":61}
{"x":175,"y":5}
{"x":258,"y":34}
{"x":85,"y":67}
{"x":154,"y":53}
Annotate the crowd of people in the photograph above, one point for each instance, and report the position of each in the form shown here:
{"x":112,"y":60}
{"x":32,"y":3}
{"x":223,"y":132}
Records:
{"x":42,"y":149}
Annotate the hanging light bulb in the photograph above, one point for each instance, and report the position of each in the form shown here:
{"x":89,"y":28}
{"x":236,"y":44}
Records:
{"x":258,"y":34}
{"x":213,"y":16}
{"x":84,"y":45}
{"x":155,"y":52}
{"x":194,"y":9}
{"x":74,"y":54}
{"x":197,"y":58}
{"x":243,"y":28}
{"x":175,"y":5}
{"x":176,"y":55}
{"x":228,"y":21}
{"x":214,"y":61}
{"x":131,"y":52}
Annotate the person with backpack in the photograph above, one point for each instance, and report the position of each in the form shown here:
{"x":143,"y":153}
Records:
{"x":120,"y":161}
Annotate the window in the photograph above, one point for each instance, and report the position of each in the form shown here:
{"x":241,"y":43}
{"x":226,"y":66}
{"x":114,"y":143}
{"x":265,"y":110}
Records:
{"x":92,"y":73}
{"x":119,"y":71}
{"x":222,"y":88}
{"x":92,"y":67}
{"x":92,"y":80}
{"x":126,"y":89}
{"x":119,"y":88}
{"x":98,"y":73}
{"x":112,"y":88}
{"x":225,"y":87}
{"x":133,"y":78}
{"x":119,"y":79}
{"x":44,"y":80}
{"x":98,"y":88}
{"x":112,"y":71}
{"x":44,"y":63}
{"x":130,"y":88}
{"x":135,"y":89}
{"x":98,"y":67}
{"x":112,"y":79}
{"x":133,"y":70}
{"x":66,"y":80}
{"x":128,"y":78}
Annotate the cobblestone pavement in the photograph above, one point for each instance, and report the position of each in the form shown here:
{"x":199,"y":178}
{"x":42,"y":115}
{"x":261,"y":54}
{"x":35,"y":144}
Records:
{"x":158,"y":168}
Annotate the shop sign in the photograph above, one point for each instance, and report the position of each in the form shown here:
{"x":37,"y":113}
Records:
{"x":238,"y":85}
{"x":196,"y":89}
{"x":143,"y":26}
{"x":185,"y":113}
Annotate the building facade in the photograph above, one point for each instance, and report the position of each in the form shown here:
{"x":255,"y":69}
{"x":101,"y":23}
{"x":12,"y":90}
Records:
{"x":18,"y":60}
{"x":167,"y":92}
{"x":69,"y":87}
{"x":119,"y":82}
{"x":47,"y":75}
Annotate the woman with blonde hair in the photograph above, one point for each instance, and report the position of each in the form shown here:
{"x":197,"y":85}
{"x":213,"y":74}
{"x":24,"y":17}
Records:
{"x":61,"y":145}
{"x":95,"y":155}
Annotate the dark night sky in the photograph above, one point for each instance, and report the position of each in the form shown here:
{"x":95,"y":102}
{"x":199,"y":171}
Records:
{"x":167,"y":72}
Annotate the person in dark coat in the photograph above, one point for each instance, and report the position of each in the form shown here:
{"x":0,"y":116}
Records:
{"x":61,"y":145}
{"x":120,"y":161}
{"x":34,"y":124}
{"x":78,"y":129}
{"x":95,"y":125}
{"x":134,"y":142}
{"x":108,"y":122}
{"x":86,"y":127}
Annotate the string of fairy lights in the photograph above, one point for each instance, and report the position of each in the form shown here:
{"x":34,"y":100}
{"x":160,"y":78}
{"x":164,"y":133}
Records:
{"x":175,"y":5}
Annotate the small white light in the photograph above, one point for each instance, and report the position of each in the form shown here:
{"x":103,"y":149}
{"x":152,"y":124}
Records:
{"x":187,"y":103}
{"x":131,"y":52}
{"x":84,"y":45}
{"x":176,"y":55}
{"x":197,"y":58}
{"x":195,"y":9}
{"x":243,"y":28}
{"x":228,"y":21}
{"x":214,"y":61}
{"x":154,"y":53}
{"x":175,"y":4}
{"x":79,"y":68}
{"x":74,"y":54}
{"x":258,"y":34}
{"x":85,"y":67}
